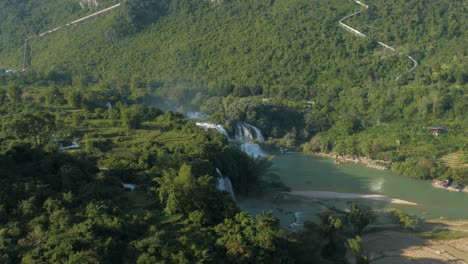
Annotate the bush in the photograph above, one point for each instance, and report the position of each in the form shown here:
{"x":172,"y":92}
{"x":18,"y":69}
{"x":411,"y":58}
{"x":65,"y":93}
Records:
{"x":403,"y":219}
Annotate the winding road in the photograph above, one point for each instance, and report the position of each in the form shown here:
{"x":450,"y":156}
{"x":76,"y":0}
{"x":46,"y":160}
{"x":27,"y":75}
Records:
{"x":360,"y":34}
{"x":341,"y":22}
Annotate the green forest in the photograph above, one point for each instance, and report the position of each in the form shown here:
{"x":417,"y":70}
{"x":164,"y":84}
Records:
{"x":285,"y":66}
{"x":69,"y":206}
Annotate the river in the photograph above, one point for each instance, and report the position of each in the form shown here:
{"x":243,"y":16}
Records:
{"x":304,"y":173}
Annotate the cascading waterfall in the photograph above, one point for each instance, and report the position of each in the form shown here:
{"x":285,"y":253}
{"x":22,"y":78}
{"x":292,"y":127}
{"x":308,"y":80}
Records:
{"x":260,"y":137}
{"x":208,"y":125}
{"x":252,"y":149}
{"x":224,"y":183}
{"x":244,"y":132}
{"x":249,"y":133}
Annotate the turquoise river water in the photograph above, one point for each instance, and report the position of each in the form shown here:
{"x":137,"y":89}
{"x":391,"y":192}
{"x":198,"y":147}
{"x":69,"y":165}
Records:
{"x":309,"y":173}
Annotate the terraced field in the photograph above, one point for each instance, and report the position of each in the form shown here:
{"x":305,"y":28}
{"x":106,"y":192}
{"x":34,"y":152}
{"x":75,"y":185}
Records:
{"x":455,"y":160}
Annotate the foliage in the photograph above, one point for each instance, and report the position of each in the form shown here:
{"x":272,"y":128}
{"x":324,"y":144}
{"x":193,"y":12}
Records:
{"x":182,"y":193}
{"x":359,"y":217}
{"x":405,"y":220}
{"x":249,"y":240}
{"x":284,"y":66}
{"x":355,"y":246}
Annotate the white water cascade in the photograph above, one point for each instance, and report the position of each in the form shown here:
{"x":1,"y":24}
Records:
{"x":253,"y":150}
{"x":246,"y":134}
{"x":224,"y":184}
{"x":208,"y":125}
{"x":246,"y":131}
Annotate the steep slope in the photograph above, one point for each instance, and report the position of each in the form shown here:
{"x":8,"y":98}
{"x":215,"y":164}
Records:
{"x":25,"y":19}
{"x":288,"y":48}
{"x":282,"y":44}
{"x":360,"y":34}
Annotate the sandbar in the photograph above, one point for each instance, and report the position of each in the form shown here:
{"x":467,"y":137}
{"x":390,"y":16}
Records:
{"x":337,"y":195}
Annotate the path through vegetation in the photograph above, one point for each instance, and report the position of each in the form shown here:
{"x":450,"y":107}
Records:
{"x":360,"y":34}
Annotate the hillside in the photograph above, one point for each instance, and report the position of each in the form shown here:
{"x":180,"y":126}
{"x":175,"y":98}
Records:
{"x":192,"y":44}
{"x":330,"y":88}
{"x":141,"y":184}
{"x":286,"y":47}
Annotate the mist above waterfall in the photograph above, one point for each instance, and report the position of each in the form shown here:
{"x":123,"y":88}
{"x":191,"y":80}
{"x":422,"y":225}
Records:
{"x":209,"y":125}
{"x":195,"y":115}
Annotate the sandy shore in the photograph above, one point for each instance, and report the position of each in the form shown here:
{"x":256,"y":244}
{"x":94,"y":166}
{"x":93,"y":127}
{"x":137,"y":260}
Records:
{"x":337,"y":195}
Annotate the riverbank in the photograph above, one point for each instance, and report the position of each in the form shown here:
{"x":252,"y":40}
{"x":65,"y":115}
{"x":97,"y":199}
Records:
{"x":455,"y":188}
{"x":374,"y":164}
{"x":312,"y":173}
{"x":342,"y":159}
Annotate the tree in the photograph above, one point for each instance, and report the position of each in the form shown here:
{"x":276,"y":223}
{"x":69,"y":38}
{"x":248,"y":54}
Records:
{"x":248,"y":240}
{"x":74,"y":98}
{"x":404,"y":219}
{"x":36,"y":127}
{"x":182,"y":193}
{"x":131,"y":116}
{"x":54,"y":96}
{"x":359,"y":217}
{"x":331,"y":227}
{"x":14,"y":93}
{"x":355,"y":245}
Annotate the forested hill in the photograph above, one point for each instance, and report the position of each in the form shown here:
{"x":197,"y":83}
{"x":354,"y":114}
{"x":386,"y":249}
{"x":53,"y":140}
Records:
{"x":22,"y":19}
{"x":286,"y":66}
{"x":249,"y":47}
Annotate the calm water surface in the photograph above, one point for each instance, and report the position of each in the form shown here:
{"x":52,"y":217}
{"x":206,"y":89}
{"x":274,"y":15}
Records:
{"x":302,"y":172}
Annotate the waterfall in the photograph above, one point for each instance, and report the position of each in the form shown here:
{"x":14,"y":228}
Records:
{"x":298,"y":221}
{"x":258,"y":133}
{"x":252,"y":149}
{"x":208,"y":125}
{"x":249,"y":133}
{"x":244,"y":132}
{"x":224,"y":184}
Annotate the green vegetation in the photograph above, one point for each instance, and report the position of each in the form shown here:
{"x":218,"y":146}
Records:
{"x":284,"y":66}
{"x":71,"y":206}
{"x":443,"y":234}
{"x":405,"y":220}
{"x":310,"y":82}
{"x":456,"y":159}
